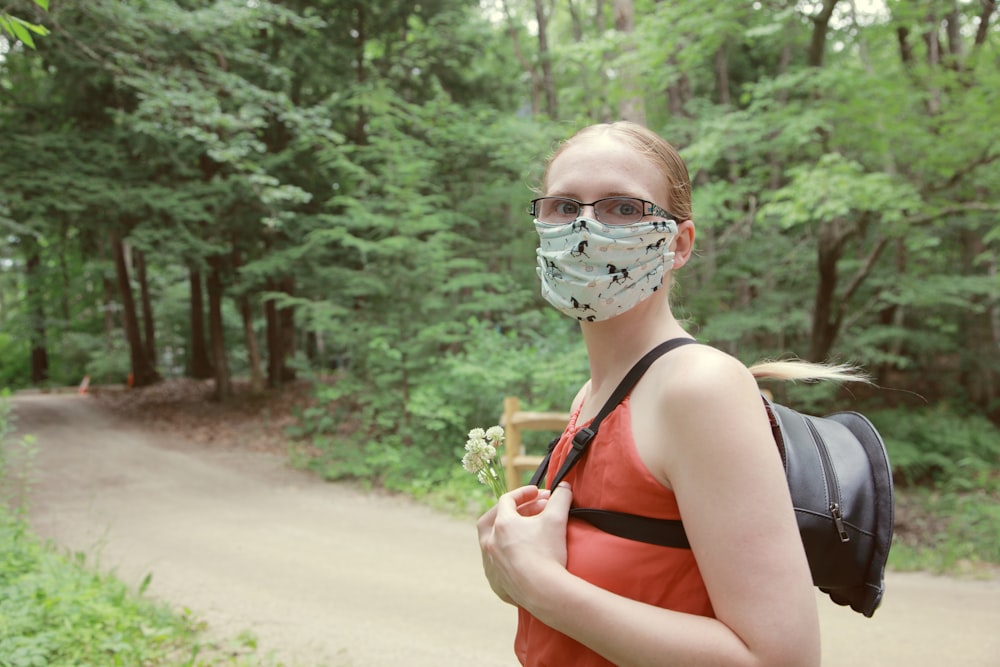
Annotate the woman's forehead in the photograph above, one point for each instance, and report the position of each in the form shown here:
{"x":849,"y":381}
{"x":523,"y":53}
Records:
{"x":605,"y":164}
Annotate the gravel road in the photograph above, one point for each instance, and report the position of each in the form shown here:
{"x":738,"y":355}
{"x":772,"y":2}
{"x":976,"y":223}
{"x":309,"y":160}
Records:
{"x":328,"y":574}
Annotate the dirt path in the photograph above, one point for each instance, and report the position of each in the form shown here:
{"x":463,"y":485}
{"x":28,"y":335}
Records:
{"x":324,"y":574}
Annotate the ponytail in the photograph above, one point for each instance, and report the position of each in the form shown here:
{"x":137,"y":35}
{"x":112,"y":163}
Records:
{"x":809,"y":372}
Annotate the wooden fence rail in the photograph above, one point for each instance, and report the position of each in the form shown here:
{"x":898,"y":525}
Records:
{"x":515,"y":422}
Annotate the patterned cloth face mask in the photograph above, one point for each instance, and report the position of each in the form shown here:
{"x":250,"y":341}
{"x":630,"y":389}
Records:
{"x":593,"y":272}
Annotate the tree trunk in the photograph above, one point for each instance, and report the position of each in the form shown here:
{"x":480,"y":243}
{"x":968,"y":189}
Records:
{"x":722,"y":75}
{"x":287,"y":329}
{"x":275,"y":351}
{"x":361,"y":37}
{"x":199,"y":361}
{"x":594,"y":95}
{"x":64,"y":274}
{"x":993,"y":352}
{"x":149,"y":326}
{"x":679,"y":90}
{"x":953,"y":31}
{"x":529,"y":69}
{"x":632,"y":106}
{"x":548,"y":82}
{"x":280,"y":335}
{"x":830,"y":248}
{"x":905,"y":48}
{"x":36,"y":313}
{"x":932,"y":39}
{"x":821,"y":26}
{"x":223,"y":383}
{"x":989,"y":7}
{"x":143,"y":372}
{"x":894,"y":315}
{"x":109,"y":300}
{"x":253,"y":351}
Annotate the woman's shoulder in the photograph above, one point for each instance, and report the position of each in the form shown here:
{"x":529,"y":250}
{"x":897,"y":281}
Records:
{"x":696,"y":382}
{"x":706,"y":400}
{"x":700,"y":372}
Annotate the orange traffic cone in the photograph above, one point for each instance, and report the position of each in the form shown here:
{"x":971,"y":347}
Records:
{"x":84,"y":385}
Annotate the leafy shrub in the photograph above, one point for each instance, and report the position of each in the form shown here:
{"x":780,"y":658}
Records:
{"x":15,"y":354}
{"x":55,"y":613}
{"x":414,"y":447}
{"x":940,"y":446}
{"x":944,"y":530}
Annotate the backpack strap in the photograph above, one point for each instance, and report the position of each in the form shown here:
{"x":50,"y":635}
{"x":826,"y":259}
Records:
{"x":661,"y":532}
{"x":584,"y":437}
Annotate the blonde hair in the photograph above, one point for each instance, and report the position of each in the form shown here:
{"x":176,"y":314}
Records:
{"x":661,"y":154}
{"x":796,"y":370}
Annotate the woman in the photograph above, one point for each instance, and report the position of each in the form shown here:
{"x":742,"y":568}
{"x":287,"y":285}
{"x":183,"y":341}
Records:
{"x":691,"y":440}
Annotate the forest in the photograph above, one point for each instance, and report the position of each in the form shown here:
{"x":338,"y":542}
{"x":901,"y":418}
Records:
{"x":336,"y":192}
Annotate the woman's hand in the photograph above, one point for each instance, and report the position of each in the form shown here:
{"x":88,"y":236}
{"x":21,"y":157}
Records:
{"x":522,"y":537}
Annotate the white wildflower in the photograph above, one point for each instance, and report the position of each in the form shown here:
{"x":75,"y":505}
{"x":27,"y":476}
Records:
{"x":481,"y":458}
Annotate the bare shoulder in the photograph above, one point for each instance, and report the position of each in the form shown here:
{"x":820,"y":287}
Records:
{"x":709,"y":403}
{"x":703,"y":375}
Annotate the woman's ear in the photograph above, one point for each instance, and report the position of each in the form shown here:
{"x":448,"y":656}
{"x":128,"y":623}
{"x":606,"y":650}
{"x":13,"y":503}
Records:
{"x":683,"y":245}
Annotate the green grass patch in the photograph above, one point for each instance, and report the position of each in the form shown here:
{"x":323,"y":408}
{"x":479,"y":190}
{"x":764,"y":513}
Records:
{"x":56,"y":611}
{"x":947,"y":531}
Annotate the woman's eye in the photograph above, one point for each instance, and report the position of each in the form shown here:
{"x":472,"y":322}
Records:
{"x":567,"y":208}
{"x":627,"y":210}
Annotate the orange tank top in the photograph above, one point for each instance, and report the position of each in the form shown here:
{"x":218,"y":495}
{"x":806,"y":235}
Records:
{"x":611,"y":476}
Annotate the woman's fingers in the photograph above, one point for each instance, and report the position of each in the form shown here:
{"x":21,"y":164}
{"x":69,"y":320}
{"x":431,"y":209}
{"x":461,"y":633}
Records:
{"x":561,"y":499}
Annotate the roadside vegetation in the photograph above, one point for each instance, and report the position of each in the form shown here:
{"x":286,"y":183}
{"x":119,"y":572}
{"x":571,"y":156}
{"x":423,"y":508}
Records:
{"x":947,"y":469}
{"x":60,"y":610}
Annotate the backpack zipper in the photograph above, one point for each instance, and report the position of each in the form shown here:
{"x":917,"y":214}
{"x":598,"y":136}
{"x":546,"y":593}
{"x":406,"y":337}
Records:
{"x":832,"y":484}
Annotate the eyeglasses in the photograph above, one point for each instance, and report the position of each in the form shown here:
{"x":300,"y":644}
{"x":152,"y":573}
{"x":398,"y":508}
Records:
{"x":610,"y":210}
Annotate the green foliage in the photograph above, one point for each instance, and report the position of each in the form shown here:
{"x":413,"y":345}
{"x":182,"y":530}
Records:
{"x":940,"y":446}
{"x":22,"y":30}
{"x":58,"y":611}
{"x":108,"y":366}
{"x":362,"y":435}
{"x":946,"y":530}
{"x":14,"y":357}
{"x":55,"y":613}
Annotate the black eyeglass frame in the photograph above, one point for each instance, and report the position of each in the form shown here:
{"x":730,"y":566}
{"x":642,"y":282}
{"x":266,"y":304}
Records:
{"x":649,"y":208}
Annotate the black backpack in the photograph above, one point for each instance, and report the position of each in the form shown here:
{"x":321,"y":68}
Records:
{"x":840,"y":481}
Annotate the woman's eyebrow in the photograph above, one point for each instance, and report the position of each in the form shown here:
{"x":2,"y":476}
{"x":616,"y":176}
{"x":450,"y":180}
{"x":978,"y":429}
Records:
{"x":611,"y":193}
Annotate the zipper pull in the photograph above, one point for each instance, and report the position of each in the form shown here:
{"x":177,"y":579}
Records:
{"x":838,"y":520}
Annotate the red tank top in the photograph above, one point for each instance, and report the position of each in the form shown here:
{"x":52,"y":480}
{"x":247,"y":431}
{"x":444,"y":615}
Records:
{"x":612,"y":476}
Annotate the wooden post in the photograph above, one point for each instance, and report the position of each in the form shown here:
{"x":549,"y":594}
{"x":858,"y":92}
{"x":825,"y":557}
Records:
{"x":512,"y":446}
{"x":515,"y":460}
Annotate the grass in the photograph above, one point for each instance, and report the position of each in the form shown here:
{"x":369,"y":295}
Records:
{"x":947,"y":531}
{"x":56,"y":611}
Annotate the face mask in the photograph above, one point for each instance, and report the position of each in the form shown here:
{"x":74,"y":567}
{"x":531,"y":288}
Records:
{"x":593,"y":272}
